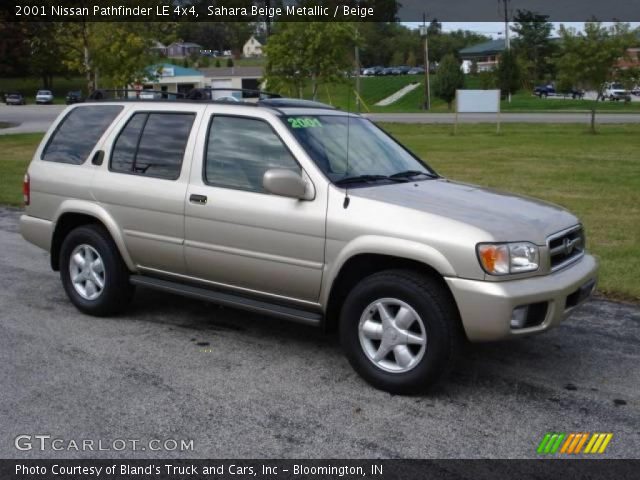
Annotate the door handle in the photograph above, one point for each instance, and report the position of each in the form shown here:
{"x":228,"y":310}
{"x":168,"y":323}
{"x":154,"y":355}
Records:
{"x":199,"y":199}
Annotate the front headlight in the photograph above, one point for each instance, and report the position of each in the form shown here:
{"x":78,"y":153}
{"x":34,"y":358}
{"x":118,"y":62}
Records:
{"x":506,"y":258}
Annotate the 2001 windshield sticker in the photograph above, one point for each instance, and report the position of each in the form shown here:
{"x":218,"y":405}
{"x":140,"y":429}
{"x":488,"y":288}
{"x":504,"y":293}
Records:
{"x":304,"y":122}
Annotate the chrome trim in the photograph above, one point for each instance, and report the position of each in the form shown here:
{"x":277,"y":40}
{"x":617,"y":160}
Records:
{"x":556,"y":250}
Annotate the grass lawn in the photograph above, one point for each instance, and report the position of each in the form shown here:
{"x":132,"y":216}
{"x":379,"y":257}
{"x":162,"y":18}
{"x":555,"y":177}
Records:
{"x":595,"y":176}
{"x":374,"y":89}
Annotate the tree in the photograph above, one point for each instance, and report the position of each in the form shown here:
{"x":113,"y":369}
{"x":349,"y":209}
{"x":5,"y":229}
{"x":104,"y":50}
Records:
{"x":411,"y":59}
{"x":508,"y":73}
{"x":397,"y":58}
{"x":434,"y":28}
{"x":588,"y":60}
{"x":44,"y":52}
{"x":303,"y":52}
{"x":116,"y":52}
{"x":533,"y":45}
{"x":14,"y":48}
{"x":449,"y":79}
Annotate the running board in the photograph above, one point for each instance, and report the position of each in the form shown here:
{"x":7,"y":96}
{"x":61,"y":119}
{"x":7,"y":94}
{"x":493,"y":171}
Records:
{"x":230,"y":300}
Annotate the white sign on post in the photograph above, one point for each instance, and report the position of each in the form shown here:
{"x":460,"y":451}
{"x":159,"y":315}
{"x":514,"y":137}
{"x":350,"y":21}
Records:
{"x":478,"y":101}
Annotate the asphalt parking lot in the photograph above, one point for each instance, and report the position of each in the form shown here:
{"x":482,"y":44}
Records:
{"x":241,"y":385}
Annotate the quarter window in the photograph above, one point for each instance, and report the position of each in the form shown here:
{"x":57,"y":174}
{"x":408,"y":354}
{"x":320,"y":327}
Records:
{"x":240,"y":150}
{"x":78,"y":133}
{"x":152,"y":144}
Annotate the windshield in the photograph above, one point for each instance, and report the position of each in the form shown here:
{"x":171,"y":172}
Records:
{"x":371,"y":152}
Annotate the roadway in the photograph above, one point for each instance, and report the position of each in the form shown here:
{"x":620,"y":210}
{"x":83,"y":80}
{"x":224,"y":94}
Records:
{"x":37,"y":118}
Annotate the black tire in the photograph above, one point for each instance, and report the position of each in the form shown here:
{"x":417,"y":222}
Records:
{"x":432,"y":301}
{"x":117,"y":291}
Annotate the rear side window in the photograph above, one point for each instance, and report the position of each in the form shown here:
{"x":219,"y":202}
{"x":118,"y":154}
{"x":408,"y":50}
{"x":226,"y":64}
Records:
{"x":78,"y":132}
{"x":152,"y":144}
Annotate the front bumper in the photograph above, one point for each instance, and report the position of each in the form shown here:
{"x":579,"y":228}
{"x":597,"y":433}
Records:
{"x":486,"y":308}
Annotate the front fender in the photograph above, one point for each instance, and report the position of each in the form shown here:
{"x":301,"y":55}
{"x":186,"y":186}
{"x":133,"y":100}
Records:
{"x":381,"y":245}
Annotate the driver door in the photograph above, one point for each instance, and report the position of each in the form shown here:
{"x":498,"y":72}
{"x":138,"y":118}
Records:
{"x":237,"y":235}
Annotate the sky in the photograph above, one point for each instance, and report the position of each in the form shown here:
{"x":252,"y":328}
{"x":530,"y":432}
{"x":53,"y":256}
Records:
{"x":496,"y":29}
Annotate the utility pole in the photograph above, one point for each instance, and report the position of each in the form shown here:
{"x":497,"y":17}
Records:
{"x":424,"y":32}
{"x":357,"y":58}
{"x":507,"y":44}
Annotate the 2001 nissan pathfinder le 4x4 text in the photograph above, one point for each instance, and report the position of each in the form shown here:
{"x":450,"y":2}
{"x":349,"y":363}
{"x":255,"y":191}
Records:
{"x":298,"y":210}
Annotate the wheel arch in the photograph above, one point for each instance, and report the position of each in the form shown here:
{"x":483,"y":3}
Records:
{"x":363,"y":264}
{"x":74,"y":214}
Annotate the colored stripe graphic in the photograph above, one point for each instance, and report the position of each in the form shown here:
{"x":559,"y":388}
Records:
{"x":581,"y":443}
{"x":567,"y":442}
{"x":607,"y":439}
{"x":543,"y":443}
{"x":573,"y":442}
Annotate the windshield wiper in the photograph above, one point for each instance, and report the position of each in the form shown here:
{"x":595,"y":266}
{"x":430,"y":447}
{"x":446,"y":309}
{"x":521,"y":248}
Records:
{"x":366,"y":178}
{"x":411,"y":174}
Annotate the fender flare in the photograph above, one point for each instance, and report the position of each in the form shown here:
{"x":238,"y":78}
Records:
{"x":99,"y":213}
{"x":374,"y":244}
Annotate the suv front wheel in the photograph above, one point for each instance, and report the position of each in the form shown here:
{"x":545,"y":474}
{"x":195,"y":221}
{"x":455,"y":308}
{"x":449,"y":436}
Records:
{"x":400,"y":330}
{"x":93,"y":273}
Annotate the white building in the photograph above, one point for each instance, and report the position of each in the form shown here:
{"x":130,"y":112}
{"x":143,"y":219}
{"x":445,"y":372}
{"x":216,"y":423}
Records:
{"x":252,"y":47}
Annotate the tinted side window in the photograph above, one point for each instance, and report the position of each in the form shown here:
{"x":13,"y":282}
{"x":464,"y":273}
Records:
{"x":240,"y":150}
{"x":78,"y":133}
{"x":152,"y":144}
{"x":124,"y":150}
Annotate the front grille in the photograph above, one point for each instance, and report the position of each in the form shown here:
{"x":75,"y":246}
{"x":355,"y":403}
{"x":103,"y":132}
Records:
{"x":565,"y":247}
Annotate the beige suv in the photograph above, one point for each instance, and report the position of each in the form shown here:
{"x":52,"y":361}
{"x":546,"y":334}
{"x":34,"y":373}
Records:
{"x":301,"y":211}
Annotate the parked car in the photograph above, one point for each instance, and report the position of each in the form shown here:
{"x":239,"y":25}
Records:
{"x":416,"y":71}
{"x":252,"y":206}
{"x":74,"y":96}
{"x":400,"y":70}
{"x":44,"y":97}
{"x":14,"y":98}
{"x":370,"y":71}
{"x":149,"y":95}
{"x":635,"y":90}
{"x":615,"y":91}
{"x":549,"y":90}
{"x":386,"y":71}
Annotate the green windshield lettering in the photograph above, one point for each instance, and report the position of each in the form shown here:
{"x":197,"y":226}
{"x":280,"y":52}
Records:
{"x":302,"y":122}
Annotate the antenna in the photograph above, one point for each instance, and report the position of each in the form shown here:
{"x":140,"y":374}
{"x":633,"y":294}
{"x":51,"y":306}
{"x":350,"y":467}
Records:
{"x":347,"y":200}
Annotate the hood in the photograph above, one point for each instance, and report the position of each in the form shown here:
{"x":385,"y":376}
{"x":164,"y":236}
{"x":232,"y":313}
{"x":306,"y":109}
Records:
{"x":506,"y":217}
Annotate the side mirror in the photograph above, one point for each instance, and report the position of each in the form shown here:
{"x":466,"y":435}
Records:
{"x":284,"y":182}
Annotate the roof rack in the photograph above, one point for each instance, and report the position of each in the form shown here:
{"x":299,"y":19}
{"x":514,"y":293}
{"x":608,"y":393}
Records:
{"x":205,"y":94}
{"x":283,"y":102}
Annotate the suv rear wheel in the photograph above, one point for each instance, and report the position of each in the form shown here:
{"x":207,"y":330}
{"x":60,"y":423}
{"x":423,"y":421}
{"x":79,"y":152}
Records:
{"x":93,"y":273}
{"x":400,"y":330}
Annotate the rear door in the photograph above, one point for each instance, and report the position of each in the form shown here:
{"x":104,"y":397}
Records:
{"x":238,"y":235}
{"x":143,"y":182}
